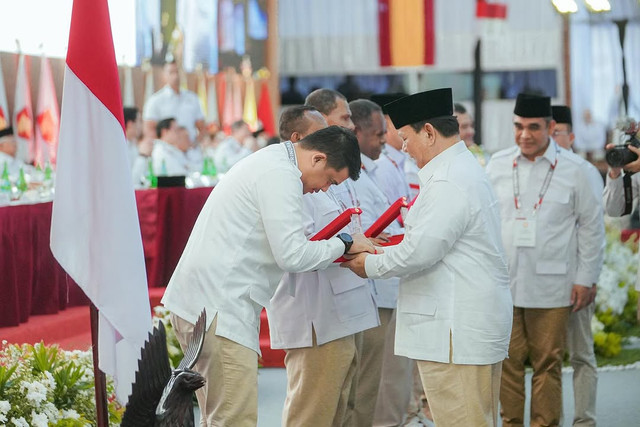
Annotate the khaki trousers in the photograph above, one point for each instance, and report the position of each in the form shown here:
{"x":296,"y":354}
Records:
{"x":230,"y":396}
{"x":539,"y":334}
{"x":396,"y":383}
{"x":462,"y":395}
{"x":319,"y":380}
{"x":583,"y":360}
{"x":377,"y":359}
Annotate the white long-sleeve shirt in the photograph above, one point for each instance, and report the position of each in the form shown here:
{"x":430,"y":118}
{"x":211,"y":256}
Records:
{"x":373,"y":202}
{"x":613,"y":197}
{"x":248,"y":233}
{"x":229,"y":153}
{"x":183,"y":106}
{"x":453,"y":267}
{"x":333,"y":303}
{"x":569,"y":239}
{"x":169,"y":160}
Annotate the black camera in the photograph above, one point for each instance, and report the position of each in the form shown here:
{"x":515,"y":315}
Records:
{"x":620,"y":155}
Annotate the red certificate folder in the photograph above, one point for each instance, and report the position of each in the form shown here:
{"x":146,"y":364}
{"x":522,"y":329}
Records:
{"x":336,"y":225}
{"x":386,"y":218}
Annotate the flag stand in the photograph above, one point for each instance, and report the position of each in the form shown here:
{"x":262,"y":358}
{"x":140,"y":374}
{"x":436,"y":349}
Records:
{"x":100,"y":381}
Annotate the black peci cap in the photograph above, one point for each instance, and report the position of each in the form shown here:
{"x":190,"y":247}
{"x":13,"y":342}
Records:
{"x":383,"y":99}
{"x":420,"y":106}
{"x":6,"y":132}
{"x":561,"y":114}
{"x":532,"y":106}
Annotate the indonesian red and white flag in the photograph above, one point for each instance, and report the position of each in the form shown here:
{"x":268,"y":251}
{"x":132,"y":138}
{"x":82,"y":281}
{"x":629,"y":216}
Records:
{"x":47,"y":117}
{"x":4,"y":111}
{"x":23,"y":113}
{"x":95,"y":233}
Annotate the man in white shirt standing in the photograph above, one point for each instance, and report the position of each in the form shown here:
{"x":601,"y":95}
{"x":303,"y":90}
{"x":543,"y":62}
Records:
{"x":614,"y":194}
{"x":553,"y":232}
{"x":579,"y":334}
{"x":171,"y":101}
{"x":249,"y":232}
{"x":384,"y":380}
{"x":168,"y":155}
{"x":314,"y":316}
{"x":454,"y":307}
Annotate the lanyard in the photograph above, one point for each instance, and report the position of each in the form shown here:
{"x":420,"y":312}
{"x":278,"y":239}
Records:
{"x":543,"y":189}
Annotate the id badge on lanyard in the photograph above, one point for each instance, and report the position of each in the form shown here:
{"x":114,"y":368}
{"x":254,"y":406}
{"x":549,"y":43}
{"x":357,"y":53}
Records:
{"x":524,"y":233}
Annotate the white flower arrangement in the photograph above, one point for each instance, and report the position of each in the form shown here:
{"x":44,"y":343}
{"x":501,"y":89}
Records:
{"x":45,"y":386}
{"x":616,"y":297}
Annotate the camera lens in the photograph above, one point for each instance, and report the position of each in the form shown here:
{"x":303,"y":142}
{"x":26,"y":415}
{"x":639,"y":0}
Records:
{"x":615,"y":157}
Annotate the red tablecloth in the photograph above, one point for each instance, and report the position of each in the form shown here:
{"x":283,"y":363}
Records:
{"x":32,"y":282}
{"x":167,"y":216}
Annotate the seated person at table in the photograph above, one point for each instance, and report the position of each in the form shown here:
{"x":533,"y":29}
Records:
{"x":169,"y":150}
{"x":8,"y":149}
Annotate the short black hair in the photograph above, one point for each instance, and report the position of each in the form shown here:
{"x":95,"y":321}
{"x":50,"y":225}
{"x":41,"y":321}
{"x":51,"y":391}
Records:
{"x":340,"y":145}
{"x":164,"y":124}
{"x":459,"y":108}
{"x":324,"y":100}
{"x":447,"y":125}
{"x":293,"y":120}
{"x":130,"y":114}
{"x":361,"y":111}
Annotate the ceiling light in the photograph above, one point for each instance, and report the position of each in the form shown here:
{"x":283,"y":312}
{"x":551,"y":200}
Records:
{"x":565,"y":6}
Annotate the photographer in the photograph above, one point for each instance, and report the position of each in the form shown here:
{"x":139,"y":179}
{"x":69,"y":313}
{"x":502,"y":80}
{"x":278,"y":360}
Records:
{"x":615,"y":203}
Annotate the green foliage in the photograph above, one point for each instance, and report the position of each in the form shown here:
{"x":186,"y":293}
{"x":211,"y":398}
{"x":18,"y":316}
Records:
{"x":607,"y":344}
{"x":44,"y":385}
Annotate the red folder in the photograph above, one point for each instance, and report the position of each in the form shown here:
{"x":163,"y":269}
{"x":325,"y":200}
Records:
{"x":386,"y":218}
{"x":336,"y":225}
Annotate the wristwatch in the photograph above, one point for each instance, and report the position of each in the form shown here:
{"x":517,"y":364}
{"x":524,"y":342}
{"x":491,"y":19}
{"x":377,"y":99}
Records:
{"x":347,"y":240}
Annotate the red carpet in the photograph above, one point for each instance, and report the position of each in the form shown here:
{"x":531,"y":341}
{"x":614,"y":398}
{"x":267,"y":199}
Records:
{"x":71,"y":329}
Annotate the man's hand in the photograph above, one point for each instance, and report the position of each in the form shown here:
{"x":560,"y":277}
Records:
{"x":380,"y":239}
{"x":631,"y":167}
{"x":356,"y":264}
{"x":635,"y":165}
{"x":593,"y":293}
{"x":580,"y":297}
{"x":361,"y":244}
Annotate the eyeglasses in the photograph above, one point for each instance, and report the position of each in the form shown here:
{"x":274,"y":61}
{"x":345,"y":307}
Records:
{"x":560,"y":132}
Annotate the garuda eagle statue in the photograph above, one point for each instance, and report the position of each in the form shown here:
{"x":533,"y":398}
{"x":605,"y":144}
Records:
{"x":162,"y":397}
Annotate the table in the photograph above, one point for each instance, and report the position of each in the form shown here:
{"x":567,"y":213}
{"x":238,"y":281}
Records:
{"x":31,"y":280}
{"x":167,"y":216}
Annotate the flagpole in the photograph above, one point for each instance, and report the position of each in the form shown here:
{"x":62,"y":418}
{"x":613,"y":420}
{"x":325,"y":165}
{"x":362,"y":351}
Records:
{"x":100,"y":382}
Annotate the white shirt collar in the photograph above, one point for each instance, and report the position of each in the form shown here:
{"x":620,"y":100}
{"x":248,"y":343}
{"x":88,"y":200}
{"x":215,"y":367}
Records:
{"x":368,"y":164}
{"x":395,"y":154}
{"x":429,"y":169}
{"x":550,"y":153}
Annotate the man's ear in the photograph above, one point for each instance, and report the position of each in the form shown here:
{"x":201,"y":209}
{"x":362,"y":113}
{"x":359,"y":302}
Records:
{"x":430,"y":131}
{"x":295,"y":137}
{"x":317,"y":158}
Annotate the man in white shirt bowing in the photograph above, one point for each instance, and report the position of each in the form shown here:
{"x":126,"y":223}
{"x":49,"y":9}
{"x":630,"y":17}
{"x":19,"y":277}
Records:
{"x":316,"y":315}
{"x":249,"y":232}
{"x":553,"y":230}
{"x":454,"y":307}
